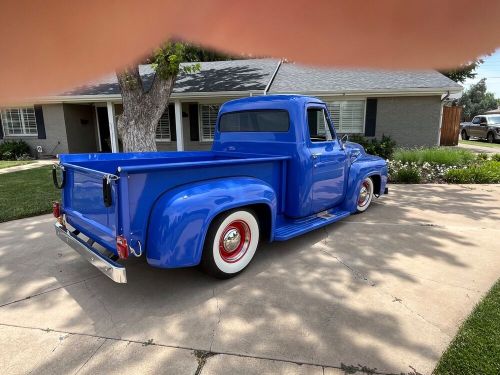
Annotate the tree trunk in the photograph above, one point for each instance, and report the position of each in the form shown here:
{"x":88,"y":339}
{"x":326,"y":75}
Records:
{"x":141,"y":110}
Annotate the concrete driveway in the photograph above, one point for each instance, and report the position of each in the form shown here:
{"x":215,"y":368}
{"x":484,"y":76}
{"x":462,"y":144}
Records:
{"x":384,"y":290}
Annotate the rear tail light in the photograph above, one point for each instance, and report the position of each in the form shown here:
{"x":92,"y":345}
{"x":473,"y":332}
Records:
{"x":56,"y":209}
{"x":122,"y":247}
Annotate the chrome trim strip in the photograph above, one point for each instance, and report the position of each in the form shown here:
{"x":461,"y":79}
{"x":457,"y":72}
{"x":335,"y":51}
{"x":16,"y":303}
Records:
{"x":113,"y":270}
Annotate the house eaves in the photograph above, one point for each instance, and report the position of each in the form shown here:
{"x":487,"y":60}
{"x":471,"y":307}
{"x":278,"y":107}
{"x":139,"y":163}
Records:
{"x":184,"y":96}
{"x":376,"y":92}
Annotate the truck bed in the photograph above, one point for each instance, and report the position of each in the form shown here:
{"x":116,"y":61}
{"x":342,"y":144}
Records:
{"x":138,"y":179}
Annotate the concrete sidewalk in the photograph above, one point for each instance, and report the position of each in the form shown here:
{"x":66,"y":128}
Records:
{"x":35,"y":164}
{"x":478,"y":148}
{"x":384,"y":290}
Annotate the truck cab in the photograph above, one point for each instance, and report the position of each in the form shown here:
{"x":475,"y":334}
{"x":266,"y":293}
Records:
{"x":276,"y":170}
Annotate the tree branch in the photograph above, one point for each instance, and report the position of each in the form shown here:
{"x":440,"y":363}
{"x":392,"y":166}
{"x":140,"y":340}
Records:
{"x":130,"y":81}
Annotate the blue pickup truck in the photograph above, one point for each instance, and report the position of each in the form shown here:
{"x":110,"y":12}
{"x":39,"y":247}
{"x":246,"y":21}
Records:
{"x":276,"y":170}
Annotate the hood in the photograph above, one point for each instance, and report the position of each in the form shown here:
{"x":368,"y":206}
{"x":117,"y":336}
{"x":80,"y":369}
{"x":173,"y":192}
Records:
{"x":354,"y":150}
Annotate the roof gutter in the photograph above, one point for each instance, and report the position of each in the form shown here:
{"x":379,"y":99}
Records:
{"x":389,"y":92}
{"x":445,"y":97}
{"x":272,"y":77}
{"x":118,"y":97}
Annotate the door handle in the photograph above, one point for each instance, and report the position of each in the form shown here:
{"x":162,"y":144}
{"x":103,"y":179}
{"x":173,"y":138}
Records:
{"x":315,"y":155}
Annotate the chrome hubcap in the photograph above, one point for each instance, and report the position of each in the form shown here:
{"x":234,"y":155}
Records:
{"x":234,"y":241}
{"x":364,"y":194}
{"x":231,"y":240}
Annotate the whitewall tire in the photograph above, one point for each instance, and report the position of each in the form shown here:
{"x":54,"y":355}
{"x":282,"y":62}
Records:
{"x":230,"y":244}
{"x":365,"y":195}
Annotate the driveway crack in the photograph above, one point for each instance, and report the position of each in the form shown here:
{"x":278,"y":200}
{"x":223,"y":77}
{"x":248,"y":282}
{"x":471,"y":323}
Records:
{"x":218,"y":319}
{"x":113,"y":324}
{"x":379,"y":289}
{"x":91,"y":356}
{"x":197,"y":352}
{"x":49,"y":291}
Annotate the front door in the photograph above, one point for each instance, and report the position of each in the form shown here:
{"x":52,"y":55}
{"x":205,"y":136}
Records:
{"x":329,"y":161}
{"x":103,"y":124}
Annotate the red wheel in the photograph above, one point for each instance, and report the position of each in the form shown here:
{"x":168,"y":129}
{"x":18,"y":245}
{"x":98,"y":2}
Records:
{"x":365,"y":195}
{"x":234,"y":241}
{"x":230,"y":244}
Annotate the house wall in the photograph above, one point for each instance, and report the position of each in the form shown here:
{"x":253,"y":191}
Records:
{"x":80,"y":128}
{"x":55,"y":130}
{"x":410,"y":121}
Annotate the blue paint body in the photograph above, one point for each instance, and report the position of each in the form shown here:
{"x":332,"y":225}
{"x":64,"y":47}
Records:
{"x":167,"y":200}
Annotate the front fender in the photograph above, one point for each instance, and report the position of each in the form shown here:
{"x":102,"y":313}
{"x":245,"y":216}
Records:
{"x":179,"y":220}
{"x":365,"y":166}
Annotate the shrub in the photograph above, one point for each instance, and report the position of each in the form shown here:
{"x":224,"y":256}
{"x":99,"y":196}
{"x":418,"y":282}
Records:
{"x":482,"y":156}
{"x":495,"y":157}
{"x":407,"y":175}
{"x":485,"y":173}
{"x":383,"y":148}
{"x":11,"y":150}
{"x":435,"y":155}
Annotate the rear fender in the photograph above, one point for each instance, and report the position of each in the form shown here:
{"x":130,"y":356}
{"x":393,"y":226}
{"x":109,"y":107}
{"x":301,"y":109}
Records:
{"x":363,"y":167}
{"x":180,"y":218}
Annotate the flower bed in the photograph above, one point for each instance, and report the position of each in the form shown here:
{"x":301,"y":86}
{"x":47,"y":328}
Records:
{"x":443,"y":165}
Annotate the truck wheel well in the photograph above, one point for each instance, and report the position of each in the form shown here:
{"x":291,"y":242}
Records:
{"x":376,"y":183}
{"x":264,"y":216}
{"x":263,"y":213}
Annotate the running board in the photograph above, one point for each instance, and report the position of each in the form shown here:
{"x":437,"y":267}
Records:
{"x":297,"y":228}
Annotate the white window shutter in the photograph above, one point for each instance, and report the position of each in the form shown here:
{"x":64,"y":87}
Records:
{"x":348,"y":116}
{"x":19,"y":121}
{"x":163,"y":128}
{"x":208,"y":117}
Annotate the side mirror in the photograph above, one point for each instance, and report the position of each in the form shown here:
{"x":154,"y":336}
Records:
{"x":343,"y":140}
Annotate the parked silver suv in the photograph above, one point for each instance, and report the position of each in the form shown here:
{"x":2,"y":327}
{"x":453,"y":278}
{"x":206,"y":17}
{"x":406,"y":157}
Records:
{"x":482,"y":126}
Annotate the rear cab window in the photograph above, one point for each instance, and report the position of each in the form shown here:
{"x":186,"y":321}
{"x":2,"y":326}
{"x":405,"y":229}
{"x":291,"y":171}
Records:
{"x":265,"y":120}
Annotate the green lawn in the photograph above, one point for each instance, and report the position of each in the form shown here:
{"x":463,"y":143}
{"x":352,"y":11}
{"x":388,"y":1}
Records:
{"x":26,"y":193}
{"x":476,"y":348}
{"x":481,"y":143}
{"x":436,"y":155}
{"x":8,"y":163}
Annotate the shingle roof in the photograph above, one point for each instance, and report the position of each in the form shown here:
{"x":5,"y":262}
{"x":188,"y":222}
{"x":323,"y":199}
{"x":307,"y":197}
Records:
{"x":232,"y":75}
{"x":293,"y":78}
{"x":255,"y":74}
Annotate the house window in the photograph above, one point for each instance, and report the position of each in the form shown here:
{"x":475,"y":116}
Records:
{"x":348,"y":116}
{"x":19,"y":121}
{"x":163,"y":128}
{"x":208,"y":116}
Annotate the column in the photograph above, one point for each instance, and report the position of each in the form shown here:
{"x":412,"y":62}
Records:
{"x":113,"y":132}
{"x":178,"y":125}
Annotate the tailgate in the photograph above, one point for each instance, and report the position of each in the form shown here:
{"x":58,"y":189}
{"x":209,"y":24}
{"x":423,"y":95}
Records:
{"x":84,"y":205}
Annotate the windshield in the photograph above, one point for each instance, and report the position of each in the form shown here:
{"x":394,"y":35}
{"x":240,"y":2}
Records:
{"x":494,"y":119}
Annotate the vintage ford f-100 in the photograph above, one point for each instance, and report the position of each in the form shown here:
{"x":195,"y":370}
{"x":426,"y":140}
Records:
{"x":276,"y":170}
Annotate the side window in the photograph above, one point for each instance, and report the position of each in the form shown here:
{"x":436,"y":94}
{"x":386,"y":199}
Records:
{"x":475,"y":120}
{"x":483,"y":120}
{"x":318,"y":123}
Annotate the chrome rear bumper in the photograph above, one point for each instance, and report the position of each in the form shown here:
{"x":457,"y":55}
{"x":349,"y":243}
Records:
{"x":111,"y":269}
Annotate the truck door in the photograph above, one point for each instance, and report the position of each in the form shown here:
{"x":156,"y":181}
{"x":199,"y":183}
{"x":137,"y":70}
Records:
{"x":474,"y":128}
{"x":328,"y":161}
{"x":483,"y":127}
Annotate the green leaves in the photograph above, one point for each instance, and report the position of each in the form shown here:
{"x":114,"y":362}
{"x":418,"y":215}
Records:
{"x":462,"y":73}
{"x":167,"y":59}
{"x":476,"y":100}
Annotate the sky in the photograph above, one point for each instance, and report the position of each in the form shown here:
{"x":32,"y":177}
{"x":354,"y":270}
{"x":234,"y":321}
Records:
{"x":490,"y":70}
